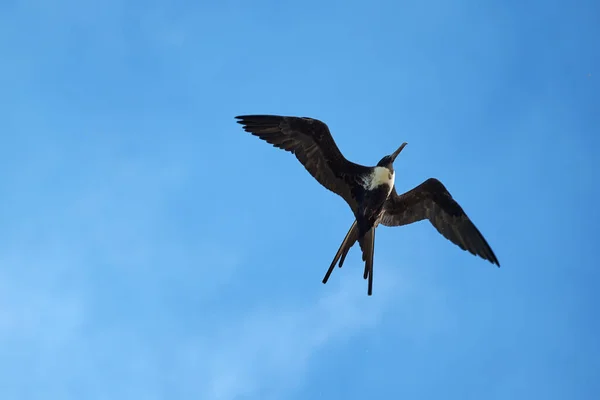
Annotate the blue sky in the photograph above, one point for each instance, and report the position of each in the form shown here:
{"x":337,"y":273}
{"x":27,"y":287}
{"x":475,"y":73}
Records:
{"x":151,"y":249}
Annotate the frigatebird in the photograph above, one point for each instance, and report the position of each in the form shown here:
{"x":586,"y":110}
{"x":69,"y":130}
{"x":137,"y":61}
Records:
{"x":369,"y":191}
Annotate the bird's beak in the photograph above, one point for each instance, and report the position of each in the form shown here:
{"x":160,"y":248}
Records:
{"x":395,"y":154}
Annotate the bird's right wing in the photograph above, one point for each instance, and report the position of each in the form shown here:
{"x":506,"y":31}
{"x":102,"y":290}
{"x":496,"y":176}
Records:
{"x":430,"y":200}
{"x":311,"y":142}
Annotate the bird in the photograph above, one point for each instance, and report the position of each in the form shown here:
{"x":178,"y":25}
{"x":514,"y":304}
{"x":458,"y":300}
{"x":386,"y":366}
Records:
{"x":369,"y":191}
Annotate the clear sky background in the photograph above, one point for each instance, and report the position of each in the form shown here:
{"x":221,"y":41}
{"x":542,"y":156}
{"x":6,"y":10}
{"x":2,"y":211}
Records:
{"x":151,"y":249}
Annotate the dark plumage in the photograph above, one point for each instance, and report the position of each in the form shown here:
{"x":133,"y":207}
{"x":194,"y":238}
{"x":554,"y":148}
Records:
{"x":369,"y":191}
{"x":310,"y":141}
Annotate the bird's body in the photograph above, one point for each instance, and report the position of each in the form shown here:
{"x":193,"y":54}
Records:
{"x":369,"y":191}
{"x":377,"y":186}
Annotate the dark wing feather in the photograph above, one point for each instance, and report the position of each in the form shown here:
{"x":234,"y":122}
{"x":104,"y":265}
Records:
{"x":311,"y":142}
{"x":431,"y":200}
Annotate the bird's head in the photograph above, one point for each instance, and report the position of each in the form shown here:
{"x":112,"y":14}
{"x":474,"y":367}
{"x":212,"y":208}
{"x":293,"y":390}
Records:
{"x":388,"y":161}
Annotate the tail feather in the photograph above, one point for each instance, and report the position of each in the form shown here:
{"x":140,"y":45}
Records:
{"x":340,"y":256}
{"x":367,"y":244}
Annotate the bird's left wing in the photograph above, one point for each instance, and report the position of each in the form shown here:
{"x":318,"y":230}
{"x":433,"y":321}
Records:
{"x":430,"y":200}
{"x":310,"y":141}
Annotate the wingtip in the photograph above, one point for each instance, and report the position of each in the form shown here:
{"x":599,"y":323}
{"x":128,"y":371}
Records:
{"x":246,"y":117}
{"x":494,"y":259}
{"x":495,"y":262}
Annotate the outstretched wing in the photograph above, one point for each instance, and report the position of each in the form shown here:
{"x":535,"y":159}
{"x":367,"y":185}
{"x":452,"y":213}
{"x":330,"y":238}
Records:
{"x":431,"y":200}
{"x":311,"y":142}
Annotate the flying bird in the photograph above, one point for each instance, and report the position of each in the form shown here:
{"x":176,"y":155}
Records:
{"x":369,"y":191}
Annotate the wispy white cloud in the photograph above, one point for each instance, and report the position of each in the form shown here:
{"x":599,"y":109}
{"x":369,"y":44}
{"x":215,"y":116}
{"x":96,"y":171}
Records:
{"x":267,"y":351}
{"x":85,"y":286}
{"x":57,"y":336}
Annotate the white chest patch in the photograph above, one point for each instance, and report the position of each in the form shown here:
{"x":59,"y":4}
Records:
{"x":381,"y":176}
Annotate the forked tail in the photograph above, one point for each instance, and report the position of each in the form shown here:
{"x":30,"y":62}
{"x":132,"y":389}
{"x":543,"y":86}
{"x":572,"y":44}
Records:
{"x":367,"y":245}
